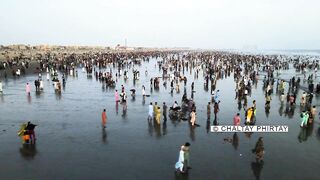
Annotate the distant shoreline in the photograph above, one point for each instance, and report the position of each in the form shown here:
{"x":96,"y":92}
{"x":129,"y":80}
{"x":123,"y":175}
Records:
{"x":47,"y":47}
{"x":28,"y":51}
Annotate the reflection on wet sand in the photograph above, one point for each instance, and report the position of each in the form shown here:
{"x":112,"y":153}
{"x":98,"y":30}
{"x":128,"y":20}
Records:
{"x":164,"y":127}
{"x":58,"y":95}
{"x":235,"y":141}
{"x":150,"y":127}
{"x":192,"y":133}
{"x":215,"y":122}
{"x":28,"y":151}
{"x":305,"y":133}
{"x":248,"y":134}
{"x":134,"y":116}
{"x":281,"y":109}
{"x":104,"y":136}
{"x":29,"y":99}
{"x":124,"y":111}
{"x":208,"y":126}
{"x":117,"y":108}
{"x":157,"y":129}
{"x":257,"y":168}
{"x":181,"y":176}
{"x":38,"y":93}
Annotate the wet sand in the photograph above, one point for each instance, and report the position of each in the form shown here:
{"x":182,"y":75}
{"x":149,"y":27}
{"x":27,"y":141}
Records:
{"x":72,"y":145}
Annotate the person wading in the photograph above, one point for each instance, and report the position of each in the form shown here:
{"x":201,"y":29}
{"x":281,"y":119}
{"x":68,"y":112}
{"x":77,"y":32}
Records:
{"x":104,"y":118}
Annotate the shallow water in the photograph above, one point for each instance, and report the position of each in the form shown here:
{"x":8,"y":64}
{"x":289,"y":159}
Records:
{"x":72,"y":145}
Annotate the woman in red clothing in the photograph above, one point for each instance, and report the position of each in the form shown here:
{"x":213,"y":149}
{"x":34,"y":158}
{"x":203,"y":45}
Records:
{"x":236,"y":120}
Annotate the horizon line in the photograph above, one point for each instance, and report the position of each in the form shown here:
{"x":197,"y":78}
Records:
{"x":174,"y":47}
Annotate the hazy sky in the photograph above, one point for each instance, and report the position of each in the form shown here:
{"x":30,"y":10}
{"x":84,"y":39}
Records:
{"x":267,"y":24}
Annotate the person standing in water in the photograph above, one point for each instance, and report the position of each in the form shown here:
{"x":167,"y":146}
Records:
{"x":158,"y":115}
{"x":164,"y":111}
{"x":236,"y":120}
{"x":155,"y":108}
{"x":116,"y":94}
{"x":30,"y":129}
{"x":143,"y":91}
{"x":41,"y":85}
{"x":254,"y":107}
{"x":193,"y":118}
{"x":304,"y":119}
{"x":186,"y":148}
{"x":217,"y":96}
{"x":28,"y":89}
{"x":268,"y":100}
{"x":122,"y":88}
{"x":150,"y":114}
{"x":179,"y":166}
{"x":183,"y":163}
{"x":208,"y":110}
{"x":104,"y":118}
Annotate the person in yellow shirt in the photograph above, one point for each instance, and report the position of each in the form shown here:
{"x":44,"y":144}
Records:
{"x":155,"y":108}
{"x":249,"y":115}
{"x":158,"y":115}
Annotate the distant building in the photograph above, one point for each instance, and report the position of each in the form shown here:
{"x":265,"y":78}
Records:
{"x":123,"y":48}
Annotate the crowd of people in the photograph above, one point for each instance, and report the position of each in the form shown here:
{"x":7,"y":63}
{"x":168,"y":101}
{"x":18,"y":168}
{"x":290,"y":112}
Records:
{"x":247,"y":71}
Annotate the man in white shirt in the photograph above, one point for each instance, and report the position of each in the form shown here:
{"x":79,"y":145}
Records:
{"x":150,"y":114}
{"x":175,"y":105}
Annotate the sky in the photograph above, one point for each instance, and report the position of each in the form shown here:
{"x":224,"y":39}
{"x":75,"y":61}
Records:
{"x":207,"y":24}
